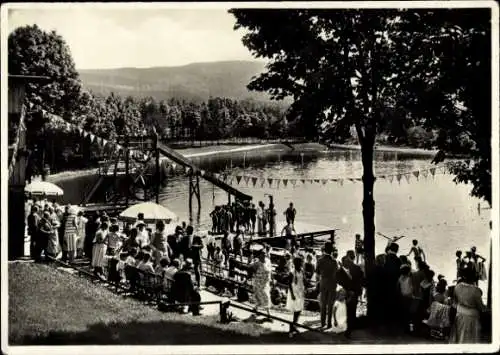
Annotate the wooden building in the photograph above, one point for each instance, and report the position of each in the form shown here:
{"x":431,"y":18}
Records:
{"x":18,"y":160}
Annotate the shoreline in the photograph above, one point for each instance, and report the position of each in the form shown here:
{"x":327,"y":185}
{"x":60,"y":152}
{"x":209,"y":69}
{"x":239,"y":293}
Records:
{"x":228,"y":149}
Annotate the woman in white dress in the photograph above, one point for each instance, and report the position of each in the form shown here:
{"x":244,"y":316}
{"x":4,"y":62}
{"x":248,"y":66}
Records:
{"x":99,"y":249}
{"x":81,"y":222}
{"x":340,"y":313}
{"x":295,"y":296}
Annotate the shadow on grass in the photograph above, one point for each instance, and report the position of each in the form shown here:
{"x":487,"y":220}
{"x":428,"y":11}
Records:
{"x":164,"y":333}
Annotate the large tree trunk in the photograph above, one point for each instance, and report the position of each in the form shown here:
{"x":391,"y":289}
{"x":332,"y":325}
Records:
{"x":367,"y":148}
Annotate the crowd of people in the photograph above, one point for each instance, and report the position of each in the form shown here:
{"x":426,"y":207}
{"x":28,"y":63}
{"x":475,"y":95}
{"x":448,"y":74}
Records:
{"x":449,"y":310}
{"x":452,"y":311}
{"x":245,"y":215}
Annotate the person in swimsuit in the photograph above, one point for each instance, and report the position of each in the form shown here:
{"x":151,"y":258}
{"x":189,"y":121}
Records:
{"x":417,"y":251}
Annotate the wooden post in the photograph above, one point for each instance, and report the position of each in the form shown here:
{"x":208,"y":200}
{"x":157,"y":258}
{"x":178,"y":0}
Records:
{"x":198,"y":192}
{"x":158,"y":178}
{"x":228,"y":198}
{"x":191,"y":194}
{"x":127,"y":172}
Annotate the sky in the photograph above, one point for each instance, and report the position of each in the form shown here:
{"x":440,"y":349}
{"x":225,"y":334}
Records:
{"x":116,"y":38}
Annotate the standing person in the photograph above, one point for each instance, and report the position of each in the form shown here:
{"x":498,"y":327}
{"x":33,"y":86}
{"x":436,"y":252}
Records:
{"x":140,"y":220}
{"x":99,"y":249}
{"x":238,"y":245}
{"x":358,"y":247}
{"x":33,"y":221}
{"x":215,"y":219}
{"x":253,"y":217}
{"x":196,"y":251}
{"x":91,"y":229}
{"x":114,"y":240}
{"x":81,"y":223}
{"x":340,"y":313}
{"x":459,"y":262}
{"x":210,"y":248}
{"x":350,"y":277}
{"x":159,"y":244}
{"x":261,"y":218}
{"x":290,"y":214}
{"x":466,"y":328}
{"x":187,"y":242}
{"x":45,"y":236}
{"x":326,"y":269}
{"x":295,"y":296}
{"x":392,"y":271}
{"x":261,"y":284}
{"x":56,"y":224}
{"x":477,"y":259}
{"x":142,"y":235}
{"x":70,"y":235}
{"x":226,"y":246}
{"x":406,"y":302}
{"x":53,"y":247}
{"x":417,"y":251}
{"x":174,"y":240}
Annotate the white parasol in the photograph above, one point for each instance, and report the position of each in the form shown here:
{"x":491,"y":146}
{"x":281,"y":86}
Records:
{"x":152,"y":212}
{"x":44,"y":188}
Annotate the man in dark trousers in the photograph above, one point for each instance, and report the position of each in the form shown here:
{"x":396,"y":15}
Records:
{"x":350,"y":277}
{"x":290,"y":214}
{"x":326,"y":270}
{"x":392,"y":271}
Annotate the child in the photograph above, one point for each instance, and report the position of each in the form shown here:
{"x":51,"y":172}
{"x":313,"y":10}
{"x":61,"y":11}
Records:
{"x":417,"y":251}
{"x":146,"y":265}
{"x":219,"y":261}
{"x":131,"y":257}
{"x":340,"y":312}
{"x":309,"y":267}
{"x":295,"y":298}
{"x":358,"y":247}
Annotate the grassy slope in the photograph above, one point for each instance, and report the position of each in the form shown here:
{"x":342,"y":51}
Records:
{"x":51,"y":307}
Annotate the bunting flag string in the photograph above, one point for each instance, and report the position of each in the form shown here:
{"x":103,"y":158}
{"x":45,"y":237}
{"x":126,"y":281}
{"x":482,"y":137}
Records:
{"x":277,"y":182}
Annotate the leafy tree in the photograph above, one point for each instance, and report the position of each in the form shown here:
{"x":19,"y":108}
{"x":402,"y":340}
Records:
{"x":32,"y":51}
{"x":345,"y":68}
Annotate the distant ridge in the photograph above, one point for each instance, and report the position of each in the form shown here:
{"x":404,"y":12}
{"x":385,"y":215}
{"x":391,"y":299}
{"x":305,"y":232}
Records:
{"x":195,"y":81}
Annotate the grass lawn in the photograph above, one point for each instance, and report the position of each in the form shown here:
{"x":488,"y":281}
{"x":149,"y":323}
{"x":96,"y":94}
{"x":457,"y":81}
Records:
{"x":51,"y":307}
{"x":48,"y":306}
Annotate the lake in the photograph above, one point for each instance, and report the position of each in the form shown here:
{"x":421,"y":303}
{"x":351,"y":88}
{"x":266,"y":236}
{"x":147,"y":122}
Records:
{"x":434,"y":210}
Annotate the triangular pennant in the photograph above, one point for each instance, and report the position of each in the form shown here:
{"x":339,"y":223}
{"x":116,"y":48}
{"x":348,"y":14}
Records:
{"x":285,"y":182}
{"x":303,"y":181}
{"x":425,"y":174}
{"x":238,"y":179}
{"x":407,"y":177}
{"x":324,"y":181}
{"x":92,"y":137}
{"x":104,"y":142}
{"x":416,"y":174}
{"x":80,"y":130}
{"x":293,"y":182}
{"x":217,"y":175}
{"x":262,"y":182}
{"x":316,"y":181}
{"x":187,"y":169}
{"x":230,"y":180}
{"x":351,"y":180}
{"x":246,"y":179}
{"x":254,"y":181}
{"x":333,"y":180}
{"x":398,"y":177}
{"x":85,"y":134}
{"x":270,"y":181}
{"x":433,"y":171}
{"x":391,"y":178}
{"x":202,"y":172}
{"x":174,"y":165}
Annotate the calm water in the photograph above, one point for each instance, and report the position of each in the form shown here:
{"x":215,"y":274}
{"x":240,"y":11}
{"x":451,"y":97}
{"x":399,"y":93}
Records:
{"x":436,"y":211}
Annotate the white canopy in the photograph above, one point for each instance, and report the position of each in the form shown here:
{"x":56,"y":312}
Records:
{"x":44,"y":188}
{"x":152,"y":212}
